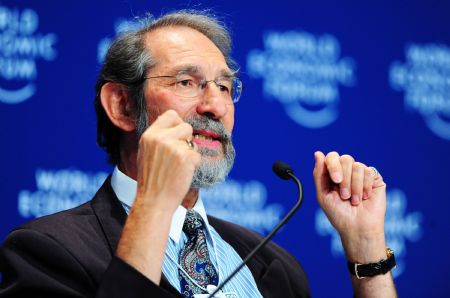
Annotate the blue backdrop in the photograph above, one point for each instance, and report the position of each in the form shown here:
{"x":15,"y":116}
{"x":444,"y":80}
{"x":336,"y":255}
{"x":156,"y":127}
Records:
{"x":371,"y":80}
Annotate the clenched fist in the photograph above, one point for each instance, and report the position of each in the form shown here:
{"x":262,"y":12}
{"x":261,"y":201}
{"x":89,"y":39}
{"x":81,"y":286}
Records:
{"x":165,"y":162}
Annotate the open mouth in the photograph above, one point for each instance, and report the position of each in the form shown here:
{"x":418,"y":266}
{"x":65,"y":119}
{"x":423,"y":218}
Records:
{"x":205,"y":138}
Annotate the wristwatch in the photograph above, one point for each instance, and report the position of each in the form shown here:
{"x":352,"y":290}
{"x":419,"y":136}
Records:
{"x":366,"y":270}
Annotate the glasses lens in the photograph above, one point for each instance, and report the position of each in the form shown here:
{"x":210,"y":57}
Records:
{"x":190,"y":86}
{"x":186,"y":85}
{"x":236,"y":90}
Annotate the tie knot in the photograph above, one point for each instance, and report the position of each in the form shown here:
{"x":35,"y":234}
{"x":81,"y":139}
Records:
{"x":193,"y":222}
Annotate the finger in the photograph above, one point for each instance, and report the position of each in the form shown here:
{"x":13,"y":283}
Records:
{"x":169,"y":118}
{"x":369,"y":177}
{"x":178,"y":152}
{"x":182,"y":131}
{"x":357,"y":182}
{"x":378,"y":181}
{"x":191,"y":145}
{"x":185,"y":149}
{"x":319,"y":166}
{"x":320,"y":172}
{"x":333,"y":165}
{"x":347,"y":167}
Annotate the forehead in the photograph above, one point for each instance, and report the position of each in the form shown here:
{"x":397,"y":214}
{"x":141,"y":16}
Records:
{"x":174,"y":47}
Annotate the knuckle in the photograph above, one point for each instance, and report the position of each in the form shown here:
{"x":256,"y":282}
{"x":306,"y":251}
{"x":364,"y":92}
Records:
{"x":162,"y":116}
{"x":332,"y":154}
{"x":147,"y":133}
{"x":170,"y":113}
{"x":159,"y":142}
{"x":180,"y":154}
{"x":347,"y":158}
{"x":357,"y":166}
{"x":146,"y":138}
{"x":187,"y":127}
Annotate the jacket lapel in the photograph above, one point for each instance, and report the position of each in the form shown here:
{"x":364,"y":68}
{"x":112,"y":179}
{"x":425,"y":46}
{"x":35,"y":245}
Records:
{"x":110,"y":214}
{"x":111,"y":217}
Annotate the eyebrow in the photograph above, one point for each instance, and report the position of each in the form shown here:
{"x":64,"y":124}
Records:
{"x":227,"y":73}
{"x":187,"y":69}
{"x":195,"y":69}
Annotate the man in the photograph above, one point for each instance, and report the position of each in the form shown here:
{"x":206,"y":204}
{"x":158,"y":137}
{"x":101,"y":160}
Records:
{"x":165,"y":106}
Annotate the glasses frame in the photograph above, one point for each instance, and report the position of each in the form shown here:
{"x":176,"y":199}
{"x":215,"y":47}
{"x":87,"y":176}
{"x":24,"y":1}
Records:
{"x":236,"y":85}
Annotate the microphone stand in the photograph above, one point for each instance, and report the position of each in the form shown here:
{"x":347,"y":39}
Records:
{"x":269,"y":236}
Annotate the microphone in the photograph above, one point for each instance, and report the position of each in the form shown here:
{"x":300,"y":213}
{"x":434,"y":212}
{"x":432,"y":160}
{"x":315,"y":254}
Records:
{"x":285,"y":172}
{"x":282,"y":169}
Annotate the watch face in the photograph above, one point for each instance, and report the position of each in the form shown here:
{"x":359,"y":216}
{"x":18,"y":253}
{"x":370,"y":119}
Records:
{"x":389,"y":252}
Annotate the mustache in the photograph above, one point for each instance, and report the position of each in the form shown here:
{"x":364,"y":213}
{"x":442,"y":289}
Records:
{"x":205,"y":123}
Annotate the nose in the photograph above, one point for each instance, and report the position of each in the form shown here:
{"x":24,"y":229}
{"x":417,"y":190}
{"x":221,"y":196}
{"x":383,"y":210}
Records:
{"x":212,"y":102}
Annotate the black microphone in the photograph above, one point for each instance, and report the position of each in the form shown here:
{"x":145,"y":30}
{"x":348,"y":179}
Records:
{"x":282,"y":169}
{"x":285,"y":172}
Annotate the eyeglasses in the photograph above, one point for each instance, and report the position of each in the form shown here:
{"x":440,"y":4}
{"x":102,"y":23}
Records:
{"x":191,"y":86}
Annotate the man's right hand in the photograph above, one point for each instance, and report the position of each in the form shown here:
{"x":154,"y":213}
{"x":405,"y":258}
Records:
{"x":165,"y":162}
{"x":165,"y":167}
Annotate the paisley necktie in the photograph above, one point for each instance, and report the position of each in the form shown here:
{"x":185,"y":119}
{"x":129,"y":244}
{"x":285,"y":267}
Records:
{"x":194,"y":257}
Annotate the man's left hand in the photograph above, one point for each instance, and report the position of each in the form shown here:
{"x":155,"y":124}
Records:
{"x":353,"y":196}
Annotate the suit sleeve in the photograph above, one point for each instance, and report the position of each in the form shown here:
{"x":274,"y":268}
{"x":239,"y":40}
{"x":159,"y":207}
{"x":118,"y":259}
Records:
{"x":34,"y":264}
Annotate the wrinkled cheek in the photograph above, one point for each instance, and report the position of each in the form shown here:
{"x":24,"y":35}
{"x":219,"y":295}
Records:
{"x":160,"y":100}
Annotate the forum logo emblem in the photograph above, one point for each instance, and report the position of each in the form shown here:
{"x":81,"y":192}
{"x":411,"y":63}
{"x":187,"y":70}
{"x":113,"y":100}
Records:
{"x":58,"y":190}
{"x":303,"y":72}
{"x":244,"y":203}
{"x":21,"y":45}
{"x":425,"y":79}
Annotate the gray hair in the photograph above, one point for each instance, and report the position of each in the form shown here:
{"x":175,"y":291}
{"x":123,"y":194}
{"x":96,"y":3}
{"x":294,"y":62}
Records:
{"x":127,"y":62}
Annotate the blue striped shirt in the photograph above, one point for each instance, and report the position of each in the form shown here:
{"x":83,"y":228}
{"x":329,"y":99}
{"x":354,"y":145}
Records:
{"x":223,"y":256}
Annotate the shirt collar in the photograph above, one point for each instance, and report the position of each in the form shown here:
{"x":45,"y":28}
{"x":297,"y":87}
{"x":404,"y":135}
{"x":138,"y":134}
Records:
{"x":125,"y":190}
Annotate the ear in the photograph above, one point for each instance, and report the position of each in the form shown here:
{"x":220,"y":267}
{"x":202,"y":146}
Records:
{"x":118,"y":106}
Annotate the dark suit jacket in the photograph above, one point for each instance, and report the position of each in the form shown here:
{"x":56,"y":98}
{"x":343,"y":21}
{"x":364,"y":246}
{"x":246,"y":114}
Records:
{"x":71,"y":254}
